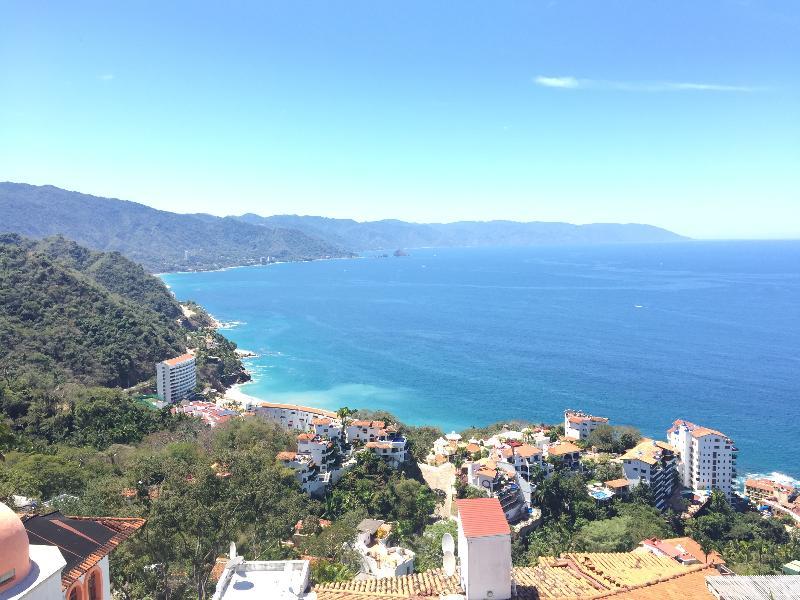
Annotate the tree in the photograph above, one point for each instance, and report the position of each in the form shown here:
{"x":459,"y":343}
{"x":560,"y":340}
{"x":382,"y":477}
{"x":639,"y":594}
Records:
{"x":428,"y":546}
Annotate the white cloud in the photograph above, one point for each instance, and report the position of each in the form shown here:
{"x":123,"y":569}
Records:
{"x":558,"y":82}
{"x":639,"y":86}
{"x":106,"y":77}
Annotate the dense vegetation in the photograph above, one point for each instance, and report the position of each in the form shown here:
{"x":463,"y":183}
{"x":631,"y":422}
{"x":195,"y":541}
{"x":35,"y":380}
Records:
{"x":157,"y":239}
{"x":59,"y":322}
{"x":72,"y":321}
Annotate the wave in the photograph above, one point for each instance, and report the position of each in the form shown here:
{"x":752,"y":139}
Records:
{"x":774,"y":476}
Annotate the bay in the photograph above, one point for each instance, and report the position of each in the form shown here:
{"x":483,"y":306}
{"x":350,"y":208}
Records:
{"x":643,"y":334}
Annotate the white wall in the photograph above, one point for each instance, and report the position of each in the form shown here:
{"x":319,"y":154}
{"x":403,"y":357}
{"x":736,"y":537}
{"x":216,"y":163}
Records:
{"x":485,"y":565}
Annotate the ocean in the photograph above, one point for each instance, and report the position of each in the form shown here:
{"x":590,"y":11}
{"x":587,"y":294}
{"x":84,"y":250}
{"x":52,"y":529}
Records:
{"x":642,"y":334}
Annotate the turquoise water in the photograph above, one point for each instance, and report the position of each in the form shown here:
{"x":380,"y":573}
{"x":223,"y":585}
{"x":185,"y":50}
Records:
{"x":706,"y":331}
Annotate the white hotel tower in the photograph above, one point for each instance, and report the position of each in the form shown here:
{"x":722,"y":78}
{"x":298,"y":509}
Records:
{"x":707,"y":457}
{"x":176,"y":378}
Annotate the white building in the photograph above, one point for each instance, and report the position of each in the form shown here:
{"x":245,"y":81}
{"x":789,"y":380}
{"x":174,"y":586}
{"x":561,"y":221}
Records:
{"x":378,"y":557}
{"x":289,"y":416}
{"x":285,"y":579}
{"x":484,"y":549}
{"x":54,"y":557}
{"x":578,"y":425}
{"x":307,"y":473}
{"x":653,"y":463}
{"x":321,"y":450}
{"x":707,"y":457}
{"x":176,"y":378}
{"x":567,"y":453}
{"x":366,"y":431}
{"x":327,"y":427}
{"x":392,"y":450}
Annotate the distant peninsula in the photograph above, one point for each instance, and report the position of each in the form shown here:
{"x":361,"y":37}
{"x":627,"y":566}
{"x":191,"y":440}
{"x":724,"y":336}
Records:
{"x":163,"y":241}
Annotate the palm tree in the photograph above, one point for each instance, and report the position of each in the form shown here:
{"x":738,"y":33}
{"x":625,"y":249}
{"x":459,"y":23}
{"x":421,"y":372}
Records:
{"x":344,"y":414}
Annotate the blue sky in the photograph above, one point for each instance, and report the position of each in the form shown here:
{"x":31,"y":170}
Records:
{"x":683,"y":114}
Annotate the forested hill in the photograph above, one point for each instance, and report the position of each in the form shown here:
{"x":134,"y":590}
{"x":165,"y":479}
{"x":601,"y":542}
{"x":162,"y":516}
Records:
{"x":161,"y":241}
{"x":68,"y":314}
{"x":391,"y":234}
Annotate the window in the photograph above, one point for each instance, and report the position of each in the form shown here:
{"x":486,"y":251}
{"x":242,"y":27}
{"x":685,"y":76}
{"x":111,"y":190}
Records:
{"x":94,"y":586}
{"x":7,"y":576}
{"x":75,"y":593}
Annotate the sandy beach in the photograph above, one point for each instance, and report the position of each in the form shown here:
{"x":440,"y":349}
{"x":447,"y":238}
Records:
{"x":235,"y":394}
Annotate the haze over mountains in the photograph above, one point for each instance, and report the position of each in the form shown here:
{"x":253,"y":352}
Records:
{"x":390,"y":234}
{"x":160,"y":240}
{"x":165,"y":241}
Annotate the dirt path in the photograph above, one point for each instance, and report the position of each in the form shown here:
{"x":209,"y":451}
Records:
{"x":441,"y":478}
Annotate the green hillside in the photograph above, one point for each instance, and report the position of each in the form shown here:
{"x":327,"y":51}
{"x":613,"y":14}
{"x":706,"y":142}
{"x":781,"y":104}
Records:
{"x":161,"y":241}
{"x":75,"y":315}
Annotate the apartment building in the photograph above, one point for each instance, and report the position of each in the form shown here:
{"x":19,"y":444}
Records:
{"x":321,"y":450}
{"x":176,"y":378}
{"x":707,"y":458}
{"x":312,"y":481}
{"x":578,"y":425}
{"x":290,"y":416}
{"x":568,"y":453}
{"x":654,"y":463}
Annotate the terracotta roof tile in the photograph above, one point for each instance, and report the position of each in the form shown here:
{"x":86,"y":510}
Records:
{"x":178,"y":359}
{"x":625,"y":576}
{"x":648,"y":451}
{"x":526,"y":450}
{"x":482,"y":517}
{"x":123,"y":528}
{"x":308,"y":409}
{"x":615,"y":484}
{"x":562,"y":448}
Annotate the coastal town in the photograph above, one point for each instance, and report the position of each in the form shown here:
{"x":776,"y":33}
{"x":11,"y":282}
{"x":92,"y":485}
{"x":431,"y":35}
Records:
{"x":489,"y":488}
{"x":295,"y":501}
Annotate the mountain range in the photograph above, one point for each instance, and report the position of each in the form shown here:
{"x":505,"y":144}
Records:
{"x":160,"y":240}
{"x":165,"y":241}
{"x":392,"y":234}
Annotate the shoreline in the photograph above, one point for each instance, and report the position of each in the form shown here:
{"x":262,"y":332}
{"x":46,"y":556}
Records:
{"x":235,"y":394}
{"x":277,"y":262}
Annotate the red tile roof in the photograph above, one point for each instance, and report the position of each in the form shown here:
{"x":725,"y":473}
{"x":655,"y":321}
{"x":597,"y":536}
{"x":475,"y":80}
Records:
{"x":372,"y":424}
{"x":615,"y":484}
{"x":178,"y":359}
{"x":526,"y":451}
{"x":112,"y":531}
{"x":562,"y":448}
{"x":482,"y":517}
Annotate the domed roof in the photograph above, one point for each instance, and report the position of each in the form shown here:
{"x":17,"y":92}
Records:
{"x":14,"y":551}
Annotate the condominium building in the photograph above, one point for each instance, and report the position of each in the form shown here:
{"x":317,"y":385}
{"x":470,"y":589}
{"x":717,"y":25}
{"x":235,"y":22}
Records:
{"x":653,"y":463}
{"x":366,"y":431}
{"x":328,"y":427}
{"x":306,"y":471}
{"x":566,"y":452}
{"x":760,"y":490}
{"x":578,"y":425}
{"x":321,"y":450}
{"x":707,"y":457}
{"x":176,"y":378}
{"x":290,"y":416}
